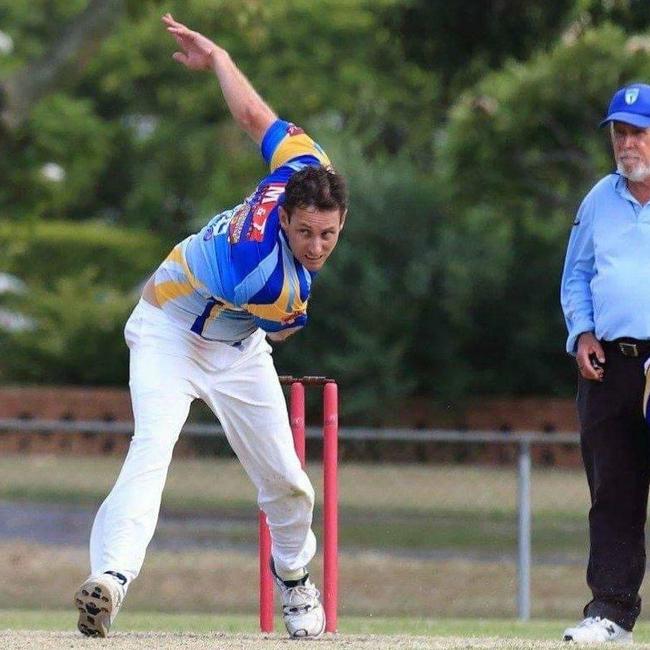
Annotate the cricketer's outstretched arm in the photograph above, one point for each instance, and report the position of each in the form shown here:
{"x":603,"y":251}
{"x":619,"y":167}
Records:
{"x":248,"y":109}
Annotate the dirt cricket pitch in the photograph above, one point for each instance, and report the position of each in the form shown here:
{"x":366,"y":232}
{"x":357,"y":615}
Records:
{"x":187,"y":641}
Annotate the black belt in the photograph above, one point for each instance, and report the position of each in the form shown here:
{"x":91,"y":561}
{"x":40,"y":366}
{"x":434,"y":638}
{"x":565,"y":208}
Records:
{"x":629,"y":347}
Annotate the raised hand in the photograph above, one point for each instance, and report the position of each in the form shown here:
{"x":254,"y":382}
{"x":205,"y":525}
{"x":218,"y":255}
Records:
{"x":197,"y":50}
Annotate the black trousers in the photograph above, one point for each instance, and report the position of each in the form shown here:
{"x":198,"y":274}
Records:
{"x":614,"y":441}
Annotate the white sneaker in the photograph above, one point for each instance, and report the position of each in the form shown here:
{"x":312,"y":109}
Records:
{"x":302,"y":612}
{"x":597,"y":630}
{"x":98,"y":600}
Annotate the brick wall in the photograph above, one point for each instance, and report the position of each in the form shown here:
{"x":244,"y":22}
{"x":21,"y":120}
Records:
{"x":113,"y":404}
{"x":109,"y":404}
{"x":69,"y":404}
{"x":490,"y":414}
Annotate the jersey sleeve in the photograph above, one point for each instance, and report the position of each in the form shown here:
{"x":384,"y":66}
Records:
{"x":579,"y":270}
{"x":285,"y":141}
{"x":268,"y":325}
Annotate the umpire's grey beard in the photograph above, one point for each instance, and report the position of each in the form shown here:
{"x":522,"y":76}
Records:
{"x":639,"y":174}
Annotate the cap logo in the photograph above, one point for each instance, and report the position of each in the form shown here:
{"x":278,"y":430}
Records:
{"x":631,"y":95}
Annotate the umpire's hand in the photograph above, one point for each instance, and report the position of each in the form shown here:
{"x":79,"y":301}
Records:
{"x":590,"y":357}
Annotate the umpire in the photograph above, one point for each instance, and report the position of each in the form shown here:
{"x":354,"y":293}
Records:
{"x":606,"y":303}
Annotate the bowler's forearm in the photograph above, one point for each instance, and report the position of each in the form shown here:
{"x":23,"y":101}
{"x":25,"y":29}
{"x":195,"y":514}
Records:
{"x":248,"y":109}
{"x":282,"y":335}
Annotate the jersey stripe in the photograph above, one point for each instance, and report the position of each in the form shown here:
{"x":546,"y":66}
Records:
{"x":199,"y":323}
{"x":171,"y":289}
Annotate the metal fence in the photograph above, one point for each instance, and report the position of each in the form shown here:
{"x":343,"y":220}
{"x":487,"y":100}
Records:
{"x":523,"y":440}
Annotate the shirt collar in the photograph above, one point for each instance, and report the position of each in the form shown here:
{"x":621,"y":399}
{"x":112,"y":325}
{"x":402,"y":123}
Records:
{"x":620,"y":185}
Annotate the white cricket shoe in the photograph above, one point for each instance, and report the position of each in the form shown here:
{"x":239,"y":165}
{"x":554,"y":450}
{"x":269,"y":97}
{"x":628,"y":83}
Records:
{"x":595,"y":629}
{"x":98,"y":600}
{"x":302,"y":612}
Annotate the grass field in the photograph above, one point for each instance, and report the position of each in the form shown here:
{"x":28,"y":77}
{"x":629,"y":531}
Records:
{"x":52,"y":629}
{"x":50,"y":620}
{"x":384,"y":507}
{"x":371,"y":584}
{"x":415,"y":540}
{"x":214,"y":483}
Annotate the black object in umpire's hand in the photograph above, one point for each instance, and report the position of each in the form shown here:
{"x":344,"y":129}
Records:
{"x":646,"y":395}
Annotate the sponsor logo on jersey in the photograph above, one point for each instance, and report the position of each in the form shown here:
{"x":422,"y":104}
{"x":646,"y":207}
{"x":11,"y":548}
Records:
{"x":291,"y":318}
{"x":262,"y":208}
{"x":236,"y":224}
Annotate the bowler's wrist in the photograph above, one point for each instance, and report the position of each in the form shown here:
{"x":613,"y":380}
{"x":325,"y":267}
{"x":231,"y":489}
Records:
{"x":218,"y":58}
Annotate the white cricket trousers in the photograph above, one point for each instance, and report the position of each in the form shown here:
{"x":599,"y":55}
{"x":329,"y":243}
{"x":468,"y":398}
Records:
{"x":169,"y":368}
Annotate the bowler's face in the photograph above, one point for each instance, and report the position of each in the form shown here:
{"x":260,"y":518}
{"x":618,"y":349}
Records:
{"x":312,"y":234}
{"x":631,"y":150}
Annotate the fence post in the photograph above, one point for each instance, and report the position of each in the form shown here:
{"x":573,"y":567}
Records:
{"x":523,"y":582}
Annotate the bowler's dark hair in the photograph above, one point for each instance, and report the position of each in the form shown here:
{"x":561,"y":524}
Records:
{"x":317,"y":187}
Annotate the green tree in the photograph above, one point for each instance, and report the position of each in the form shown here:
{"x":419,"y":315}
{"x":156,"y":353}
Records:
{"x":81,"y":281}
{"x":461,"y":42}
{"x":631,"y":15}
{"x":521,"y":150}
{"x":373,"y":314}
{"x":165,"y":152}
{"x":75,"y":335}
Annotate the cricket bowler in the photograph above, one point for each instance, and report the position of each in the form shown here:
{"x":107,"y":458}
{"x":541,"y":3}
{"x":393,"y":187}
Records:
{"x":200,"y":331}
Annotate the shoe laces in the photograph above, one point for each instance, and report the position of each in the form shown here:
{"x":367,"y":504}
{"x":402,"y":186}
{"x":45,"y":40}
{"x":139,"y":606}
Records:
{"x":300,"y":598}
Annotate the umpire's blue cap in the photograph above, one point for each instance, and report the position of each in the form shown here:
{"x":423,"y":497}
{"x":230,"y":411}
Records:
{"x":630,"y":104}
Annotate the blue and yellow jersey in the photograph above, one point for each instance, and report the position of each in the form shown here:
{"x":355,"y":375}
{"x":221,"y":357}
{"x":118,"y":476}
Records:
{"x":238,"y":273}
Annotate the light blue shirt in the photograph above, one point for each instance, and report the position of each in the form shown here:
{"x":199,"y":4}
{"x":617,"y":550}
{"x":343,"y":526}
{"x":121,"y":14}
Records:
{"x":606,"y":280}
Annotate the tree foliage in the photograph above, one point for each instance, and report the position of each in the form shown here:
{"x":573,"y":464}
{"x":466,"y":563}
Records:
{"x":462,"y":42}
{"x":43,"y":252}
{"x":526,"y":141}
{"x":143,"y":142}
{"x":75,"y":335}
{"x":81,"y":281}
{"x":370,"y":305}
{"x":631,"y":15}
